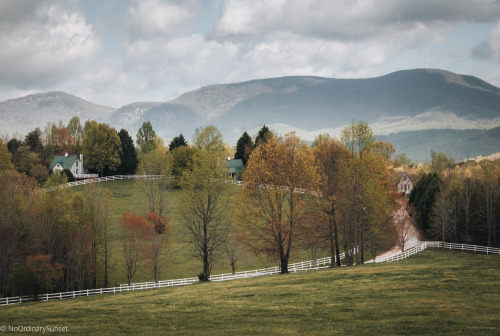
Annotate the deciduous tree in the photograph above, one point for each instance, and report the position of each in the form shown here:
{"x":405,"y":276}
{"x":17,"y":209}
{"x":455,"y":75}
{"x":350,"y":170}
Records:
{"x":146,"y":138}
{"x":208,"y":138}
{"x":101,"y":147}
{"x":274,"y":203}
{"x":133,"y":232}
{"x":204,"y":207}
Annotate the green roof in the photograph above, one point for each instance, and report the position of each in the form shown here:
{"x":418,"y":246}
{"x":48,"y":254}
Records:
{"x":235,"y":166}
{"x":65,"y":161}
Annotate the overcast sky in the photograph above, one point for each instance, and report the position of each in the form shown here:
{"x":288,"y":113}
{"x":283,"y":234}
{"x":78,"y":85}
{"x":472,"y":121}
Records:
{"x":115,"y":52}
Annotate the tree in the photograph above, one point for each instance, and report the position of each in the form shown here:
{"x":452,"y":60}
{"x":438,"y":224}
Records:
{"x":13,"y":144}
{"x":156,"y":242}
{"x":5,"y":157}
{"x":204,"y":207}
{"x":177,"y":142}
{"x":384,"y":148}
{"x":64,"y":142}
{"x":155,"y":162}
{"x":146,"y":138}
{"x":34,"y":141}
{"x":208,"y":138}
{"x":440,"y":223}
{"x":329,"y":155}
{"x":133,"y":232}
{"x":75,"y":130}
{"x":25,"y":159}
{"x":490,"y":190}
{"x":319,"y":139}
{"x":274,"y":203}
{"x":232,"y":250}
{"x":422,"y":198}
{"x":366,"y":189}
{"x":244,"y":148}
{"x":404,"y":224}
{"x":263,"y":136}
{"x":101,"y":147}
{"x":128,"y":157}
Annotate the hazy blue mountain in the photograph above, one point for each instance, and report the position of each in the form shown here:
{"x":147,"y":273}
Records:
{"x":459,"y":144}
{"x":409,"y":100}
{"x":26,"y":113}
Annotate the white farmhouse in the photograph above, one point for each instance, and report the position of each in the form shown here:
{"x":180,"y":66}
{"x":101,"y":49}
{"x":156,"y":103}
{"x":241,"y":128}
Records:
{"x":72,"y":162}
{"x":405,"y":185}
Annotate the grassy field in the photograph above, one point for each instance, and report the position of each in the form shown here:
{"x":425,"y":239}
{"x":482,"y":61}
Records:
{"x":179,"y":261}
{"x":434,"y":292}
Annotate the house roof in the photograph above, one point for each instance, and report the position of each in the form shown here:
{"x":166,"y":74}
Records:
{"x":65,"y":161}
{"x":235,"y":166}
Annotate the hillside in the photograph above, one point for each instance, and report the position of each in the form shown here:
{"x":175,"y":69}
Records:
{"x":434,"y":292}
{"x":459,"y":144}
{"x":401,"y":101}
{"x":24,"y":114}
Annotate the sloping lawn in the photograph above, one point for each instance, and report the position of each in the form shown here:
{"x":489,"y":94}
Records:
{"x":433,"y":293}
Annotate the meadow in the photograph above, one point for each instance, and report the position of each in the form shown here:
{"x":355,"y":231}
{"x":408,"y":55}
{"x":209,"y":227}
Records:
{"x":434,"y":292}
{"x":179,"y":260}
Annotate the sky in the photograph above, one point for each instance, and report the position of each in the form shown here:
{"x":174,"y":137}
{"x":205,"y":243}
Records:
{"x":115,"y":52}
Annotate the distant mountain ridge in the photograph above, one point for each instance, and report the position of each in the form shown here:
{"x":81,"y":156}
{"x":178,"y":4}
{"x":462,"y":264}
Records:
{"x":403,"y":101}
{"x":26,"y":113}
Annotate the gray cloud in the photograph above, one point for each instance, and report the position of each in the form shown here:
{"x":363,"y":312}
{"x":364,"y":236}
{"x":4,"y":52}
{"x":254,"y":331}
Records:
{"x":347,"y":19}
{"x":482,"y":51}
{"x":45,"y":47}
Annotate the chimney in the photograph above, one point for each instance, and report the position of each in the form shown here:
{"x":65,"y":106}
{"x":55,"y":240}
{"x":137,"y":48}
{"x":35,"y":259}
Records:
{"x":228,"y":158}
{"x":81,"y":157}
{"x":66,"y":154}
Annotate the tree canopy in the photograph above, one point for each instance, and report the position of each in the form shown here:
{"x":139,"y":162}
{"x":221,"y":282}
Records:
{"x":128,"y":157}
{"x":101,"y":147}
{"x":146,"y":138}
{"x":244,"y":148}
{"x":177,"y":142}
{"x":209,"y":138}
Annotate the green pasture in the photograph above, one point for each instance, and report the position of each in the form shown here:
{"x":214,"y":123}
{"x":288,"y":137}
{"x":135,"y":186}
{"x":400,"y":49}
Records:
{"x":433,"y":293}
{"x":180,"y":262}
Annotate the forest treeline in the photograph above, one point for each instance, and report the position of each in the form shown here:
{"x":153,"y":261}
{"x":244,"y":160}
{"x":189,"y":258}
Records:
{"x":335,"y":195}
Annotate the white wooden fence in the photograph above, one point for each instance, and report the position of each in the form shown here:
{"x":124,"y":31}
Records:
{"x":100,"y":179}
{"x":437,"y":244}
{"x":295,"y":267}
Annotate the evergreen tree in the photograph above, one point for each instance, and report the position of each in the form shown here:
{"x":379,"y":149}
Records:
{"x":34,"y":141}
{"x":423,"y":196}
{"x":244,"y":148}
{"x":128,"y":156}
{"x":146,"y":138}
{"x":176,"y":142}
{"x":264,"y":135}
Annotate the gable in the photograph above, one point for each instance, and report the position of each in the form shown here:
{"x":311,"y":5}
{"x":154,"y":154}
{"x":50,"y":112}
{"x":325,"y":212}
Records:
{"x":66,"y":162}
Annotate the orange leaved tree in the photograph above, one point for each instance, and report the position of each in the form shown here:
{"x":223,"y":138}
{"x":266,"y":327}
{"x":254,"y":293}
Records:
{"x":133,"y":232}
{"x":280,"y":180}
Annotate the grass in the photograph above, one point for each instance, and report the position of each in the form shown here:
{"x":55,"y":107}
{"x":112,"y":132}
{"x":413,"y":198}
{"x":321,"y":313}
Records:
{"x":179,"y":261}
{"x":434,"y":292}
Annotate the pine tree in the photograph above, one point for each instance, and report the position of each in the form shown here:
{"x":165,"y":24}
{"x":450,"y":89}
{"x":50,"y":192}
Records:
{"x":128,"y":156}
{"x":264,"y":135}
{"x":176,"y":142}
{"x":244,"y":148}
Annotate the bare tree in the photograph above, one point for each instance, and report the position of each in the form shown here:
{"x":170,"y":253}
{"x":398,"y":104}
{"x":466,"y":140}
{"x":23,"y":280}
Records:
{"x":441,"y":223}
{"x":233,"y":250}
{"x":204,"y":207}
{"x":133,"y":232}
{"x":404,"y":225}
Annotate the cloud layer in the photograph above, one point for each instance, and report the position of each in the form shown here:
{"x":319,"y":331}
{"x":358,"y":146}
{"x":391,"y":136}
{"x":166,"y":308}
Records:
{"x":168,"y":47}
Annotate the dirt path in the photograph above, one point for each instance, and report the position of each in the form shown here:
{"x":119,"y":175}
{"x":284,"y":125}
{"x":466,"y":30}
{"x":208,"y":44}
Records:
{"x":413,"y":236}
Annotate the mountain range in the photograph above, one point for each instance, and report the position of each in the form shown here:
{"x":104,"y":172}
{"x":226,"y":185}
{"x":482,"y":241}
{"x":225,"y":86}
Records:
{"x":458,"y":108}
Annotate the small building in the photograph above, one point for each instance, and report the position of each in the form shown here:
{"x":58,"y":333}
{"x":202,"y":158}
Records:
{"x":234,"y":167}
{"x":72,"y":162}
{"x":405,"y":185}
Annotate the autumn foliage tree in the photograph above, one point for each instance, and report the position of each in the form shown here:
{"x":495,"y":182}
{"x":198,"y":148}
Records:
{"x":134,"y":229}
{"x":156,"y":243}
{"x":280,"y":179}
